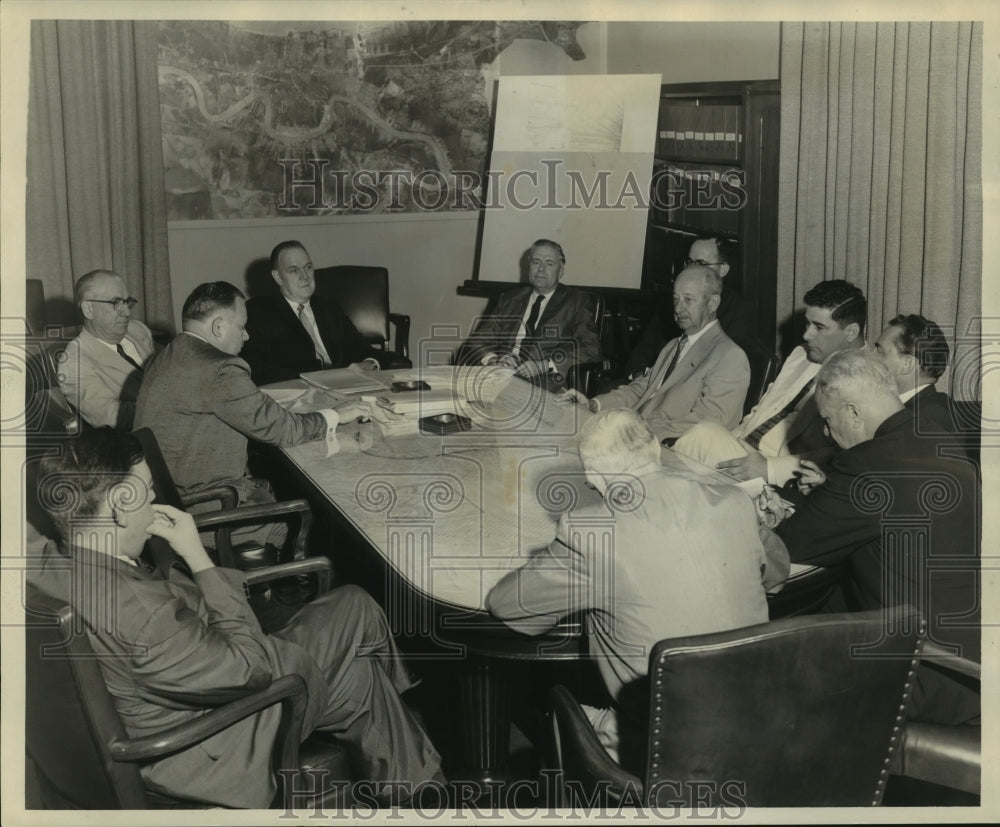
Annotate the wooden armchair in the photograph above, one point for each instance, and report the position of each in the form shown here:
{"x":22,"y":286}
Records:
{"x":78,"y":755}
{"x":804,"y":711}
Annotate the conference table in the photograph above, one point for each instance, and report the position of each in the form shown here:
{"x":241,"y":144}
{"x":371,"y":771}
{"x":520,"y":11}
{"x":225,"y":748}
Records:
{"x":446,"y":515}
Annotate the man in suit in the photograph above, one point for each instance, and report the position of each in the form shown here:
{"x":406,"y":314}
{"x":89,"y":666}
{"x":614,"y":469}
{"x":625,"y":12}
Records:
{"x":101,"y":369}
{"x":915,"y":351}
{"x":784,"y":427}
{"x":905,"y":521}
{"x":199,"y":400}
{"x":302,"y":331}
{"x":701,"y":375}
{"x":659,"y":557}
{"x":541,"y":331}
{"x":173,"y":644}
{"x":735,"y":314}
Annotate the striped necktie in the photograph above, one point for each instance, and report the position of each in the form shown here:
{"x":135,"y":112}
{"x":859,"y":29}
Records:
{"x":758,"y":433}
{"x":127,"y":358}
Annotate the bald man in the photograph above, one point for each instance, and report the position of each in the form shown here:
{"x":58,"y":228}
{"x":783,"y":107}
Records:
{"x":702,"y":375}
{"x":101,"y":369}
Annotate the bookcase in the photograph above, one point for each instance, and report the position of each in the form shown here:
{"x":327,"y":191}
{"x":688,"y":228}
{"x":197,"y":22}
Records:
{"x":716,"y":171}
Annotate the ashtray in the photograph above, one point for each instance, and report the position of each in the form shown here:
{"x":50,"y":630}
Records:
{"x":410,"y":385}
{"x":446,"y":423}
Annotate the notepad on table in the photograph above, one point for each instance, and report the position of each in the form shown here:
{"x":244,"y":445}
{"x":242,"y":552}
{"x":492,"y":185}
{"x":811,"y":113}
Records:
{"x":345,"y":380}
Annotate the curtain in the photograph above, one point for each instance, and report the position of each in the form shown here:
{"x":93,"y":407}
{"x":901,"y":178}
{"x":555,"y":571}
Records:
{"x":880,"y":178}
{"x":95,"y":195}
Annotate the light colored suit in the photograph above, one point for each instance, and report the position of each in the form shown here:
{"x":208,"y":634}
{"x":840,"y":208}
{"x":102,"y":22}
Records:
{"x":799,"y":433}
{"x":680,"y":558}
{"x":180,"y":646}
{"x":98,"y":382}
{"x":709,"y":382}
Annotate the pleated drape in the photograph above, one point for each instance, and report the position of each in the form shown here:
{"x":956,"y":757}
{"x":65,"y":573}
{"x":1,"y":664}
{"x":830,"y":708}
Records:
{"x":95,"y":192}
{"x":880,"y":178}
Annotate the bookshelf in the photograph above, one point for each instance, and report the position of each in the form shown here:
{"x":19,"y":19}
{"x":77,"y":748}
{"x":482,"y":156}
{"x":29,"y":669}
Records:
{"x":716,"y":171}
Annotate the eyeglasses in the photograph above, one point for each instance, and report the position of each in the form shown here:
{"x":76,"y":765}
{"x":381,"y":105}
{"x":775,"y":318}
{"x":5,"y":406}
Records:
{"x":118,"y":303}
{"x":689,"y":261}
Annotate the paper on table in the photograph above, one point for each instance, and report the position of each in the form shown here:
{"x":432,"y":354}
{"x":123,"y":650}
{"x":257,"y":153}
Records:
{"x":346,"y":380}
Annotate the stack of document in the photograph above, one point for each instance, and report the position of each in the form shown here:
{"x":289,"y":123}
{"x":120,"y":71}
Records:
{"x":419,"y":403}
{"x":345,"y":380}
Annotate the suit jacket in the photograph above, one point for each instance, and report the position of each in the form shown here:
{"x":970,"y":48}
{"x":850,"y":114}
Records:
{"x":181,"y":645}
{"x":931,"y":410}
{"x":682,"y":558}
{"x":735,"y":314}
{"x":910,"y":492}
{"x":567,"y":332}
{"x":202,"y":405}
{"x":279,"y":347}
{"x":98,"y":382}
{"x":709,"y":382}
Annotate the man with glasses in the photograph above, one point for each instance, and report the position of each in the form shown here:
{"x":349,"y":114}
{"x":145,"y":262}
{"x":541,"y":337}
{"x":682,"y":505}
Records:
{"x":101,"y":369}
{"x":736,"y":315}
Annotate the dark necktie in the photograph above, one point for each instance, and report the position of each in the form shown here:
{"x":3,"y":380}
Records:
{"x":673,"y":362}
{"x":536,"y":308}
{"x":127,"y":358}
{"x":758,"y":433}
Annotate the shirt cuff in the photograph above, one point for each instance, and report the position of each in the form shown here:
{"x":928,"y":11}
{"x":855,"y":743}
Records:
{"x":373,"y":360}
{"x":486,"y":359}
{"x":780,"y":469}
{"x":332,"y":420}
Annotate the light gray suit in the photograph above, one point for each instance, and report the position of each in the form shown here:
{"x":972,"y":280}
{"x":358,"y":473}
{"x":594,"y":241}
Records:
{"x":709,"y":383}
{"x":98,"y":382}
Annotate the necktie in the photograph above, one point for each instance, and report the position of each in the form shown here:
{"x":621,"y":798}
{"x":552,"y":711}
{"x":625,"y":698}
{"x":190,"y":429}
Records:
{"x":310,"y":327}
{"x":536,"y":308}
{"x":758,"y":433}
{"x":127,"y":358}
{"x":677,"y":356}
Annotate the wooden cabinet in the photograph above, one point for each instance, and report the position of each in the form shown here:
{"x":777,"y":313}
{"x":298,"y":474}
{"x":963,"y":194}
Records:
{"x":716,"y":171}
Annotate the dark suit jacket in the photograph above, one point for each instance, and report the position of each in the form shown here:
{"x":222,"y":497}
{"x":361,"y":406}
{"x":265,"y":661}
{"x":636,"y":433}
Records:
{"x":279,"y":347}
{"x":932,"y":411}
{"x":567,"y":332}
{"x":736,"y":317}
{"x":895,"y":485}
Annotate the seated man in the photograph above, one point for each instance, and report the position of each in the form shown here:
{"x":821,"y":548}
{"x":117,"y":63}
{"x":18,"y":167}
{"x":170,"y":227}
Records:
{"x":102,"y":367}
{"x":904,"y":520}
{"x":700,"y":376}
{"x":735,"y":314}
{"x":542,"y":330}
{"x":915,"y":351}
{"x":199,"y":400}
{"x":302,"y":331}
{"x":784,"y":426}
{"x":181,"y":643}
{"x":682,"y":558}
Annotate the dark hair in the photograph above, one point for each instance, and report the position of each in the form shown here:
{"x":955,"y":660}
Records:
{"x":724,"y":248}
{"x":544,"y":242}
{"x":845,"y":301}
{"x":209,"y":297}
{"x":280,"y":248}
{"x":923,"y":339}
{"x":73,"y":483}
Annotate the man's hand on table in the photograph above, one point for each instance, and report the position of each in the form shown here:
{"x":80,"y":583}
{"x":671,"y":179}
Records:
{"x":753,"y":465}
{"x":573,"y":396}
{"x":532,"y":368}
{"x":508,"y":360}
{"x":177,"y":528}
{"x":353,"y":410}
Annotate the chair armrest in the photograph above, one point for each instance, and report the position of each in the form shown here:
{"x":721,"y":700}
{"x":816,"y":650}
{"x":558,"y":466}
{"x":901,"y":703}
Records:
{"x":250,"y":513}
{"x":225,"y":494}
{"x":289,"y":691}
{"x":320,"y":565}
{"x":581,"y":755}
{"x":932,"y":653}
{"x":402,"y":339}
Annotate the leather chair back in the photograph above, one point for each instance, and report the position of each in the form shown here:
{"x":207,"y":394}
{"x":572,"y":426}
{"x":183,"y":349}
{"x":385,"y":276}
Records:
{"x":70,"y":717}
{"x":803,"y":711}
{"x":763,"y":369}
{"x":363,"y":294}
{"x":34,"y":307}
